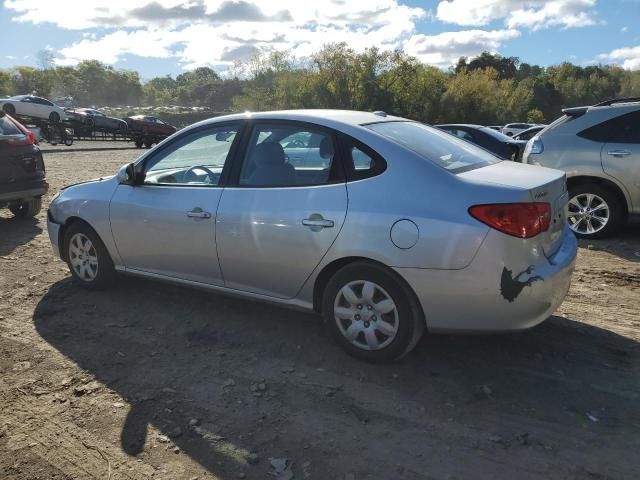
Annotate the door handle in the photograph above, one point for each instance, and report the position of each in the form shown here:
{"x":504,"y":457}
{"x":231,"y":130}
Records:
{"x":197,"y":212}
{"x":317,"y":221}
{"x":618,"y":153}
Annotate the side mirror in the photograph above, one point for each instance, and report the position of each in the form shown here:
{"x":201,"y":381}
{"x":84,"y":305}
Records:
{"x":127,"y":174}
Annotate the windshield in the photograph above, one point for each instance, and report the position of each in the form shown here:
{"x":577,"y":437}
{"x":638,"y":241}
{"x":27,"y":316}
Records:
{"x":7,"y":127}
{"x":440,"y":147}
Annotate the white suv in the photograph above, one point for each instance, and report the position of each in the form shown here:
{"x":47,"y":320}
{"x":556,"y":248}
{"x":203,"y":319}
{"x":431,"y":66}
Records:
{"x":599,"y":149}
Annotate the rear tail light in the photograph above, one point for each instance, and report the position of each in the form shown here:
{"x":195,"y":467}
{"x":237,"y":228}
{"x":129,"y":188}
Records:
{"x":522,"y":220}
{"x":535,"y":146}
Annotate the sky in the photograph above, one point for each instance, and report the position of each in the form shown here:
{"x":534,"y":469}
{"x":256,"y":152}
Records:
{"x":168,"y":37}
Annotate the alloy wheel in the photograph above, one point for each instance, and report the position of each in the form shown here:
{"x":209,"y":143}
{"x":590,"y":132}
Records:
{"x":83,"y":257}
{"x":588,"y":213}
{"x":366,"y":315}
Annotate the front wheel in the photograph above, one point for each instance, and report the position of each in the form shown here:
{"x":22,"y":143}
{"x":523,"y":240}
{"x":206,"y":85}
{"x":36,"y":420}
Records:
{"x":594,"y":211}
{"x":27,"y":209}
{"x":371,"y":312}
{"x":87,"y":257}
{"x":54,"y":117}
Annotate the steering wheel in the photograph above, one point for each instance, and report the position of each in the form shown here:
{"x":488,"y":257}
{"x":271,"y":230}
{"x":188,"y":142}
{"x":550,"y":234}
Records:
{"x":191,"y":172}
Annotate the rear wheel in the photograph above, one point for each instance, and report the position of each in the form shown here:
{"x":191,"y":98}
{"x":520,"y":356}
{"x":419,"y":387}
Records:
{"x":87,"y":257}
{"x":371,"y":312}
{"x":54,"y":117}
{"x":9,"y":109}
{"x":27,"y":209}
{"x":148,"y":142}
{"x":594,"y":211}
{"x":138,"y":142}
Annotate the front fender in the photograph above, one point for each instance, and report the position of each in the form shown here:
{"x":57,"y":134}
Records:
{"x":88,"y":202}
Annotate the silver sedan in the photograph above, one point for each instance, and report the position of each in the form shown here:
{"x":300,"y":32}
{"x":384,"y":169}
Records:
{"x":385,"y":226}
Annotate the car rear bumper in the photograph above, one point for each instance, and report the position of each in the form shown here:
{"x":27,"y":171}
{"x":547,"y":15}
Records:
{"x":25,"y":192}
{"x":496,"y":292}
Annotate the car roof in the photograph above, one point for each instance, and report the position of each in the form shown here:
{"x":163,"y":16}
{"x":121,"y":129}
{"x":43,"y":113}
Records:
{"x":344,"y":117}
{"x":470,"y":125}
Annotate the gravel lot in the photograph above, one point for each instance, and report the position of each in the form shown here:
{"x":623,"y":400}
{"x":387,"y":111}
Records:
{"x":149,"y":380}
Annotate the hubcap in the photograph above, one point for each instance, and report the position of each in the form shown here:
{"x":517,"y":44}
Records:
{"x":366,"y":315}
{"x":83,"y":257}
{"x":588,"y":213}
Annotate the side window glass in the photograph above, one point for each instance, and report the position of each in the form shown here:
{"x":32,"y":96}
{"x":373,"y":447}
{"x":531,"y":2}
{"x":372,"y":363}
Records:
{"x":196,"y":159}
{"x":621,"y":129}
{"x":288,"y":155}
{"x":362,"y":161}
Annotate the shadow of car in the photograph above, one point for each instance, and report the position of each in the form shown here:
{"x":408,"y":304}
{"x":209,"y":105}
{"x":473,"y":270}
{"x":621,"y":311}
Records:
{"x":189,"y":363}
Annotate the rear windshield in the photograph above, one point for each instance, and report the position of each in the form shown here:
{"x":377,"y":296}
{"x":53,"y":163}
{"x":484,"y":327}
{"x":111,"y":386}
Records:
{"x":7,"y":127}
{"x":495,"y":134}
{"x":442,"y":148}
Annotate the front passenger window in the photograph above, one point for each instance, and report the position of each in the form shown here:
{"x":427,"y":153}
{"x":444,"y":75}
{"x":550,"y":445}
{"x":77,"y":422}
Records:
{"x":196,"y":159}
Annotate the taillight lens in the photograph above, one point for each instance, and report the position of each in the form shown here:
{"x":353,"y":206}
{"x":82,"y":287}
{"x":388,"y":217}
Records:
{"x":522,"y":220}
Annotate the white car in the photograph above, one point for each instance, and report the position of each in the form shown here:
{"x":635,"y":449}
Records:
{"x":35,"y":107}
{"x":511,"y":129}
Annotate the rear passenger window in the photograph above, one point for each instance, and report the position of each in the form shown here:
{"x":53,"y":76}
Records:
{"x":621,"y":129}
{"x":362,"y":162}
{"x":283,"y":155}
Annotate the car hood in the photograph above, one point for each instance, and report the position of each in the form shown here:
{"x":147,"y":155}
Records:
{"x":93,"y":180}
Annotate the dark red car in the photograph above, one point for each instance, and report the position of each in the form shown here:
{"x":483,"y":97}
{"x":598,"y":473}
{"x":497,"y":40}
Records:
{"x":148,"y":130}
{"x":22,"y":173}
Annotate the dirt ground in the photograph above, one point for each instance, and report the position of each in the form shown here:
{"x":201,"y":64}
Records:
{"x":153,"y":381}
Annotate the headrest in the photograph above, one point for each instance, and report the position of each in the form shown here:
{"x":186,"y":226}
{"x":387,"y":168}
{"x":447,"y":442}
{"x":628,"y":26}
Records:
{"x":270,"y":153}
{"x":326,"y":148}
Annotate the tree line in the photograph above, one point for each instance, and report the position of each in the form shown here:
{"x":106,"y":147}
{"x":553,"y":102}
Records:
{"x":489,"y":89}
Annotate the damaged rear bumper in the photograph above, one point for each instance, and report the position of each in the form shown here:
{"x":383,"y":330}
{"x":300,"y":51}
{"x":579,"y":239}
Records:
{"x":505,"y":288}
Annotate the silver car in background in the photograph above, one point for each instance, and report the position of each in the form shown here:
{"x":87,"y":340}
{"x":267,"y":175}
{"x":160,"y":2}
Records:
{"x":385,"y":226}
{"x":599,"y":149}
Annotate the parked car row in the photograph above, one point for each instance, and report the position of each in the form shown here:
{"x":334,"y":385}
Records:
{"x":145,"y":129}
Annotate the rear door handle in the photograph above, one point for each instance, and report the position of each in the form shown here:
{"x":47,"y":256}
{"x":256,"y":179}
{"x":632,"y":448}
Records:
{"x":317,"y":221}
{"x":618,"y":153}
{"x":197,"y":212}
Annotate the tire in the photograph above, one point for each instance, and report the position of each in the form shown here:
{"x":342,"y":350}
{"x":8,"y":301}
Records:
{"x":148,"y":142}
{"x":89,"y":261}
{"x":122,"y":127}
{"x":54,"y":117}
{"x":27,"y":209}
{"x":138,"y":142}
{"x":9,"y":109}
{"x":90,"y":123}
{"x":376,"y":336}
{"x":599,"y":202}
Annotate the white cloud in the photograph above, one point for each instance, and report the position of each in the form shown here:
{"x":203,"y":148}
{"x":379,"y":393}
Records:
{"x":445,"y":48}
{"x":627,"y":57}
{"x":534,"y":14}
{"x":108,"y":49}
{"x":217,"y":32}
